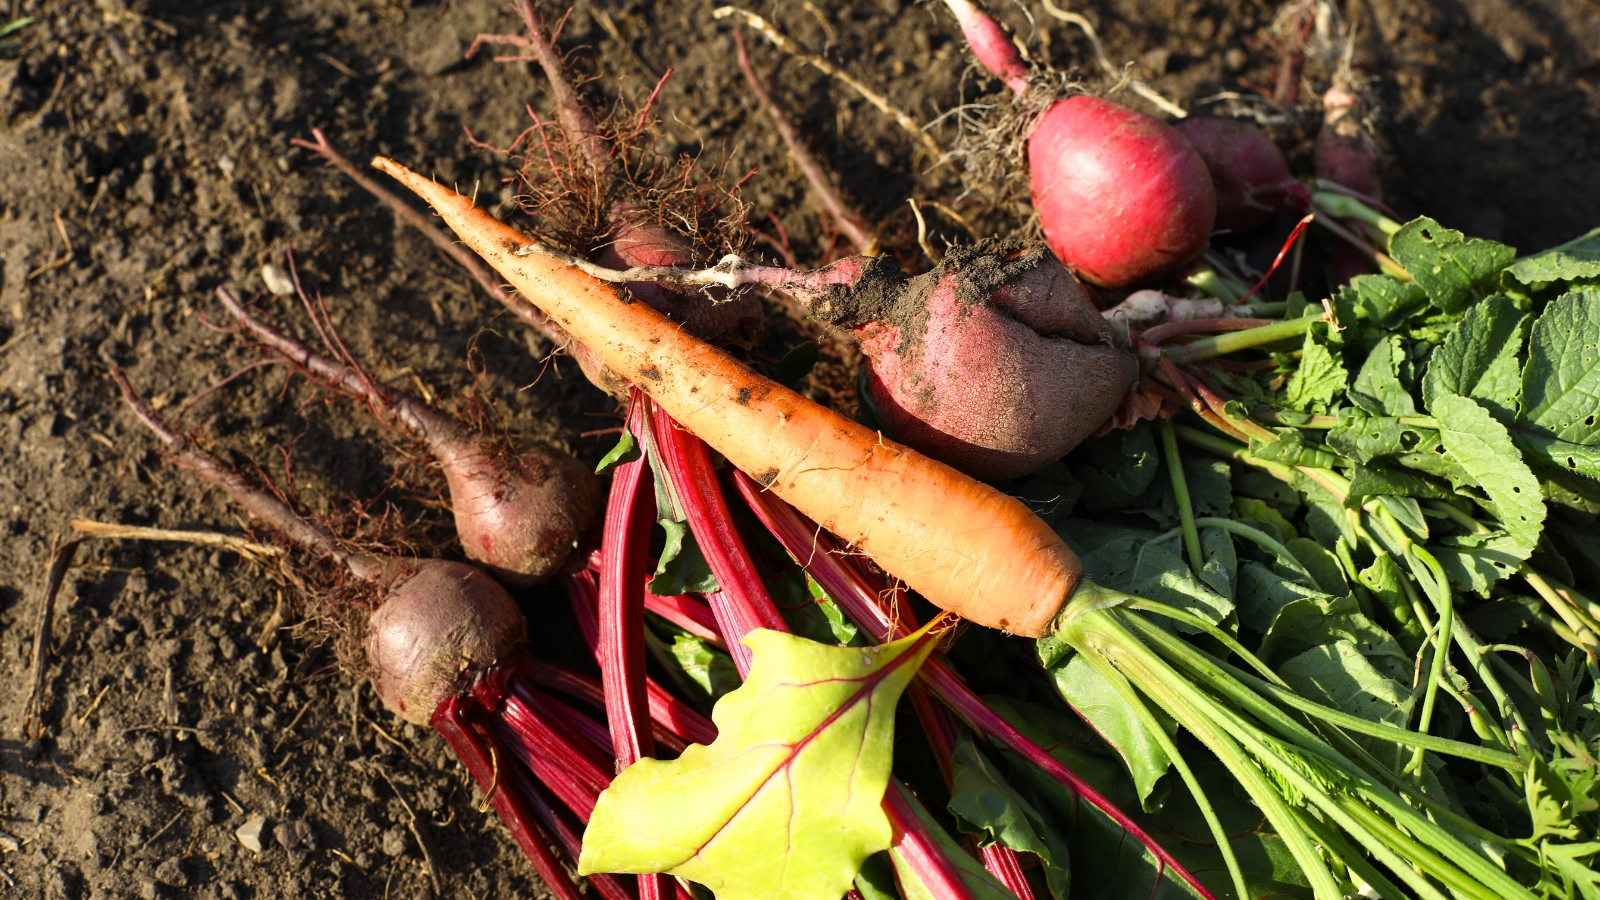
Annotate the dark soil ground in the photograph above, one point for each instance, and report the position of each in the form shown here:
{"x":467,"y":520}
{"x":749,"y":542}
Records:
{"x":153,"y":136}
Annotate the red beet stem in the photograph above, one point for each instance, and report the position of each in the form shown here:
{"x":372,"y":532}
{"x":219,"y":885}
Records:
{"x":859,"y":600}
{"x":473,"y":749}
{"x":687,"y":613}
{"x":743,"y":603}
{"x":629,"y":520}
{"x":1003,"y":864}
{"x":922,"y":852}
{"x":673,"y":725}
{"x":667,"y":711}
{"x":550,"y":754}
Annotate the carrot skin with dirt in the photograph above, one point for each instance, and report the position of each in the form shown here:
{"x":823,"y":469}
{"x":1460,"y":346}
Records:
{"x":963,"y":545}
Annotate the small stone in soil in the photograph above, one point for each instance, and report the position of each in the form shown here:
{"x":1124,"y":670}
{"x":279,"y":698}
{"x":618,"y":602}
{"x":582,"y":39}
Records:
{"x":249,"y":834}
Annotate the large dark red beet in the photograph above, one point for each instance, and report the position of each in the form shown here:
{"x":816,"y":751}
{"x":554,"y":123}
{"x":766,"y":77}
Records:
{"x":1248,"y":172}
{"x":995,"y":363}
{"x":1122,"y":196}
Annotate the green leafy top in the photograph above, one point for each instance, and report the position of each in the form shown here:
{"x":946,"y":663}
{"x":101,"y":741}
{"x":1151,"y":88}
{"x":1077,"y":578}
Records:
{"x":788,"y":801}
{"x":1453,"y":268}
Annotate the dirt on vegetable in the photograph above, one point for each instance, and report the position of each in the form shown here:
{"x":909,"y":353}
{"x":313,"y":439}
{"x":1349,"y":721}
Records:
{"x":197,"y":739}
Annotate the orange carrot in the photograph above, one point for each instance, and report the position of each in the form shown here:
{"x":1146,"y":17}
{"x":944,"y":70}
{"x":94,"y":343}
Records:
{"x":963,"y":545}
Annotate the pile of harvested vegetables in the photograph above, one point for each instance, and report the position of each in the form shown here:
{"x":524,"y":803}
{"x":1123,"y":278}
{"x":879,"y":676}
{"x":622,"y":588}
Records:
{"x":1198,"y":580}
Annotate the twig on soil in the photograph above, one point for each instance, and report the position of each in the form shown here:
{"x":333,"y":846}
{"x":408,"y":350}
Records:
{"x":1139,"y":87}
{"x":475,"y":267}
{"x":252,"y":550}
{"x":420,"y":831}
{"x":33,"y":711}
{"x":788,"y":46}
{"x":63,"y":259}
{"x":846,"y":218}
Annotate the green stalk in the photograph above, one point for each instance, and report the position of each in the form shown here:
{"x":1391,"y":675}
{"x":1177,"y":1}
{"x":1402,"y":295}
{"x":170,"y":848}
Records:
{"x":1346,"y":207}
{"x":1417,"y":853}
{"x":1209,"y":281}
{"x":1180,"y":489}
{"x":1212,"y":674}
{"x":1233,"y":341}
{"x":1258,"y":536}
{"x":1087,"y":623}
{"x":1217,"y":670}
{"x":1353,"y":859}
{"x":1120,"y":684}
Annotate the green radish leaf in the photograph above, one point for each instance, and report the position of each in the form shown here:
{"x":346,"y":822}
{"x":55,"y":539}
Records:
{"x":1264,"y":594}
{"x":1210,"y":490}
{"x":1378,"y":300}
{"x":1290,"y":449}
{"x":1474,"y":562}
{"x":1052,"y":493}
{"x":1319,"y":379}
{"x":1313,"y":622}
{"x":1126,"y":559}
{"x":1480,"y":359}
{"x":1322,"y":564}
{"x":797,"y":363}
{"x":1221,"y":571}
{"x":1093,"y":698}
{"x":626,"y":451}
{"x":977,"y":879}
{"x":788,"y":801}
{"x":709,"y":668}
{"x":683,"y":568}
{"x":1408,"y":513}
{"x":876,"y":881}
{"x":1341,"y":676}
{"x":1483,"y":448}
{"x":1265,"y":518}
{"x":1377,"y":388}
{"x":1254,"y":484}
{"x":1375,"y":480}
{"x":1326,"y":518}
{"x":1560,"y":455}
{"x":986,"y":805}
{"x":1453,"y":268}
{"x":1561,"y":384}
{"x":1120,"y":467}
{"x":1576,"y":260}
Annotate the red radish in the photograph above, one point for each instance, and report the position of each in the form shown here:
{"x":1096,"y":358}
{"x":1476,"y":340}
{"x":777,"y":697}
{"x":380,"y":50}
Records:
{"x":1346,"y":154}
{"x":1345,"y":151}
{"x":1248,"y":172}
{"x":991,"y":45}
{"x":1122,"y":197}
{"x":519,"y":508}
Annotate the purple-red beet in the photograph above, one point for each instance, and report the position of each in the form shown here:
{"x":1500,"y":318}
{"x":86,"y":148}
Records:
{"x":1248,"y":172}
{"x":440,"y":625}
{"x":519,"y":508}
{"x":1122,"y":197}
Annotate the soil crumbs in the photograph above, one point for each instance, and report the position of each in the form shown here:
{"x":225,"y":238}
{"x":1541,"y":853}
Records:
{"x":145,"y":161}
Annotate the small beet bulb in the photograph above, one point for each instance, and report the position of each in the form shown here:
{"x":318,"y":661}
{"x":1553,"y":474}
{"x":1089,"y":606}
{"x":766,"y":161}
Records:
{"x":438,"y":626}
{"x":1122,"y":197}
{"x":1248,"y":172}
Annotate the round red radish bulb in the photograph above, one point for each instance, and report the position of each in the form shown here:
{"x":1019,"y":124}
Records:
{"x":437,"y":627}
{"x":995,"y":363}
{"x":1248,"y":172}
{"x":1122,"y":197}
